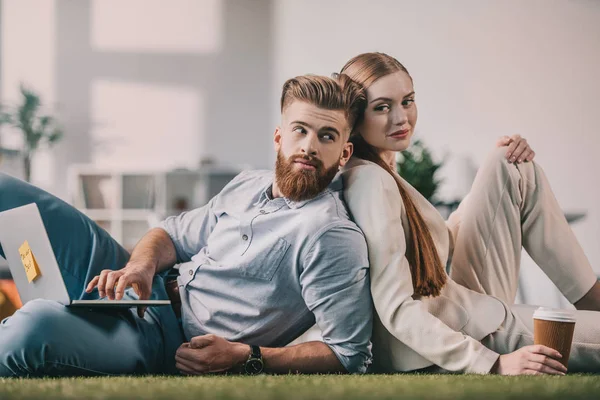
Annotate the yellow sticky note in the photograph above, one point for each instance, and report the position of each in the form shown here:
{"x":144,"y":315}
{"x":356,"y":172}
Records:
{"x":29,"y":263}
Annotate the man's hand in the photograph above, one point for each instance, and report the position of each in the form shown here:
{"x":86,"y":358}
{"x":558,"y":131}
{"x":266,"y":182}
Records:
{"x":137,"y":274}
{"x":530,"y":360}
{"x":518,"y":149}
{"x":210,"y":353}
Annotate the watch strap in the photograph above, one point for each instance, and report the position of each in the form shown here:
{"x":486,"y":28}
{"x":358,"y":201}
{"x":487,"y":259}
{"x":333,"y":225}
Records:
{"x":255,"y":352}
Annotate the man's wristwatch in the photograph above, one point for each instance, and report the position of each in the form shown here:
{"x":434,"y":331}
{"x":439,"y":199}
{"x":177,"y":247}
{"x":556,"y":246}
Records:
{"x":254,"y":365}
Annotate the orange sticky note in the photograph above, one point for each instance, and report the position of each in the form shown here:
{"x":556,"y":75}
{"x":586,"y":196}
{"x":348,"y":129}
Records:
{"x":29,"y":263}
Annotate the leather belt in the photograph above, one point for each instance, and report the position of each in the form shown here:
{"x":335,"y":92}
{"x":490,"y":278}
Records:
{"x":172,"y":289}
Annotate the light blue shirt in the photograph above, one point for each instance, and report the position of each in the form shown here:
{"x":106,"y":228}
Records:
{"x":261,"y":271}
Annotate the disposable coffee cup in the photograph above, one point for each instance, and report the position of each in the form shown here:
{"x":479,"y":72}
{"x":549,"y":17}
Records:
{"x":554,"y":328}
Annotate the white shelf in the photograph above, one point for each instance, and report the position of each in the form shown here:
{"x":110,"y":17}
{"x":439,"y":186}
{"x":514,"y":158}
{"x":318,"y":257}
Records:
{"x":127,"y":202}
{"x":134,"y":215}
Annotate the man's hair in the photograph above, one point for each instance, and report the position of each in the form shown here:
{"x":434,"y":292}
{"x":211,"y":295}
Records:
{"x":336,"y":93}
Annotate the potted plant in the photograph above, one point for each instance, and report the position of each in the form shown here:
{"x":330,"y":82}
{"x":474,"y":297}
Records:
{"x":38,"y":130}
{"x":417,"y":167}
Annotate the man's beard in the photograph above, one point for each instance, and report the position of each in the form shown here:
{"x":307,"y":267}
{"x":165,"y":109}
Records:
{"x":298,"y":184}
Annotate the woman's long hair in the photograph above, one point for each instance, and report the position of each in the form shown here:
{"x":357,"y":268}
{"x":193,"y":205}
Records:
{"x":428,"y":273}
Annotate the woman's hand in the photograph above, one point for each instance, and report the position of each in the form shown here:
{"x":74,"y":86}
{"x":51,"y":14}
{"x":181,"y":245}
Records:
{"x":518,"y":149}
{"x":530,"y":360}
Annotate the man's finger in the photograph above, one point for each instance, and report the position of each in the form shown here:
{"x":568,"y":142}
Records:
{"x":141,"y":290}
{"x":184,"y":368}
{"x":197,"y":368}
{"x":122,"y":284}
{"x":141,"y":310}
{"x":111,"y":281}
{"x":193,"y":365}
{"x":192,"y":355}
{"x":102,"y":282}
{"x":92,"y":284}
{"x":189,"y":364}
{"x":142,"y":295}
{"x":199,"y":342}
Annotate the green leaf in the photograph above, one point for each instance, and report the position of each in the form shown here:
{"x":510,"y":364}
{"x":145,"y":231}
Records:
{"x":36,"y":129}
{"x":55,"y":136}
{"x":5,"y":118}
{"x":45,"y":121}
{"x":419,"y":169}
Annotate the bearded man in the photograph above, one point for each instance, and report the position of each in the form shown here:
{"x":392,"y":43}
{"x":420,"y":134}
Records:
{"x":264,"y":260}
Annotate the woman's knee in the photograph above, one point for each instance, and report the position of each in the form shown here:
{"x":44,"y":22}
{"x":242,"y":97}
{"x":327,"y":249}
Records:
{"x":497,"y":158}
{"x":497,"y":163}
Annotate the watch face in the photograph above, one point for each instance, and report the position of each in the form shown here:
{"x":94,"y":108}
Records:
{"x":254,"y":366}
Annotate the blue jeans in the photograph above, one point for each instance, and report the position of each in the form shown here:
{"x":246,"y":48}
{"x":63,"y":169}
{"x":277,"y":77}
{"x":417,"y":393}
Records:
{"x":45,"y":338}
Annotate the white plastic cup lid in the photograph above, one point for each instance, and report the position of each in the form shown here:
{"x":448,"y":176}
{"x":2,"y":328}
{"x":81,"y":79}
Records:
{"x":554,"y":314}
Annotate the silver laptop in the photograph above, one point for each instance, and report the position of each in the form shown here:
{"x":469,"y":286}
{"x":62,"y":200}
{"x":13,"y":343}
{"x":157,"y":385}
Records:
{"x":25,"y":224}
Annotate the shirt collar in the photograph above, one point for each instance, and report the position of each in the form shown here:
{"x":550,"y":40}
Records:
{"x":267,"y":193}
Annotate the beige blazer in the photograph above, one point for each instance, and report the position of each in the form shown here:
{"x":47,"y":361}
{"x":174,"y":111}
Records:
{"x":409,"y":332}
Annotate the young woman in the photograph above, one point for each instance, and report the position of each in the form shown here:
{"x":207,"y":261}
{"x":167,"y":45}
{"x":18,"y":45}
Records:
{"x":466,"y":322}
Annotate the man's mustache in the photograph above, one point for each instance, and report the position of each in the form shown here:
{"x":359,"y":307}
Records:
{"x":315,"y":162}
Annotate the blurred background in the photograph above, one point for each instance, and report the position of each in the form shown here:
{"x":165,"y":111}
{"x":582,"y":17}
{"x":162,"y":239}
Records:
{"x":154,"y":96}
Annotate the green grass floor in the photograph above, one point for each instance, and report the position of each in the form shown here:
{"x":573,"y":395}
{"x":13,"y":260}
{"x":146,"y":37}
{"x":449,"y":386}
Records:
{"x":291,"y":387}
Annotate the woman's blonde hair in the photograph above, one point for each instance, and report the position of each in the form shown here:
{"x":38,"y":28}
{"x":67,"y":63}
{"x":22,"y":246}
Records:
{"x":428,"y":274}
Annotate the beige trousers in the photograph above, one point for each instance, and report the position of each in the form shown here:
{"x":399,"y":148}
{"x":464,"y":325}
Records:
{"x":511,"y":207}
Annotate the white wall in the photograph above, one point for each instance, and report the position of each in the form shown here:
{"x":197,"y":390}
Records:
{"x":27,"y":31}
{"x":481,"y":69}
{"x":144,"y":83}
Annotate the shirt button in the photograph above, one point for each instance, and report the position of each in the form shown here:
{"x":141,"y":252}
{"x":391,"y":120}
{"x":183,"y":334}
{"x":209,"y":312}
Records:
{"x":245,"y":237}
{"x":263,"y":212}
{"x":191,"y":272}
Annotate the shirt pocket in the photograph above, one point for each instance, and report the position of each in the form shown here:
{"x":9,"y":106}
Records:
{"x":264,"y":264}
